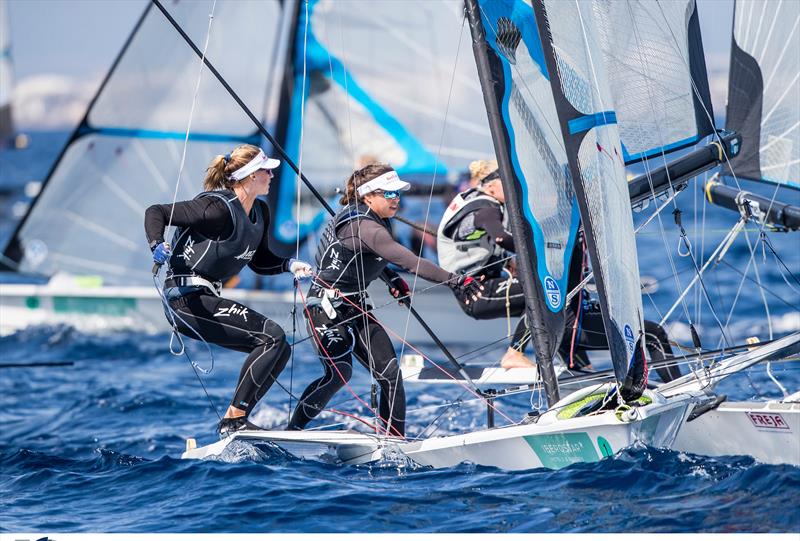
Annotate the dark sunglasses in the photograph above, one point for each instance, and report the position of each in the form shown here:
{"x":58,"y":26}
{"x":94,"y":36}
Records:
{"x":490,"y":177}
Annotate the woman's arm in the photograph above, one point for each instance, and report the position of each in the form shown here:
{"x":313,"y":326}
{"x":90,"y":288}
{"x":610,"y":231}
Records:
{"x":265,"y":261}
{"x":209,"y":216}
{"x":490,"y":219}
{"x":378,"y":240}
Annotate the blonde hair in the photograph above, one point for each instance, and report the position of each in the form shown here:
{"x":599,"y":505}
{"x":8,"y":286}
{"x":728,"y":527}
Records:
{"x":480,"y":169}
{"x":359,"y":177}
{"x":221,"y":167}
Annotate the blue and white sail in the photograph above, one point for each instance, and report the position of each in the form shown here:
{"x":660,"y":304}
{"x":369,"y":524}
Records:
{"x":533,"y":164}
{"x":371,"y":80}
{"x":126,"y":153}
{"x":582,"y":89}
{"x":764,"y":91}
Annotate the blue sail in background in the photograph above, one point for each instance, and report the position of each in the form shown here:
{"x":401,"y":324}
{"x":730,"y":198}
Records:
{"x":371,"y":81}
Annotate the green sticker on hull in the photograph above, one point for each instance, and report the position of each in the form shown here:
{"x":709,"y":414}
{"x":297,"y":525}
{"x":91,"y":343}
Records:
{"x":558,"y":450}
{"x":604,"y":446}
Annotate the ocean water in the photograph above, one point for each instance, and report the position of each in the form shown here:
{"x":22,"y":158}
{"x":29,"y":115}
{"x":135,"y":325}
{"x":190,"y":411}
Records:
{"x":95,"y":445}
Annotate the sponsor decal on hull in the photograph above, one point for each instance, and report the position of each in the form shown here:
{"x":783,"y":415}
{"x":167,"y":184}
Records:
{"x":769,"y":421}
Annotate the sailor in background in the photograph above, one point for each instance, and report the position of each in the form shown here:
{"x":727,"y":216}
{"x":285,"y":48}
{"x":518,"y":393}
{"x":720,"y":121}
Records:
{"x":473,"y":238}
{"x":355,"y":249}
{"x":220,"y":231}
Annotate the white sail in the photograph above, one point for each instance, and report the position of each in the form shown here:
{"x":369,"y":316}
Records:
{"x":126,"y":153}
{"x":764,"y":91}
{"x":6,"y":77}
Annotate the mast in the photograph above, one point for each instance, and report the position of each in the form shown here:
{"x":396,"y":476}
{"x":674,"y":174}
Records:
{"x":545,"y":325}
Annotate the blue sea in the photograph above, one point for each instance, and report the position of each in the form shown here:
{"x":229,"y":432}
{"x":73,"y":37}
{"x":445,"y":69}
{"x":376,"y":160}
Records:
{"x":94,"y":445}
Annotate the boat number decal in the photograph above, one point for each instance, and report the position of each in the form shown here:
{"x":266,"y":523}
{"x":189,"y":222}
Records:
{"x":629,"y":338}
{"x":767,"y":420}
{"x":605,"y":447}
{"x":559,"y":450}
{"x":552,"y":291}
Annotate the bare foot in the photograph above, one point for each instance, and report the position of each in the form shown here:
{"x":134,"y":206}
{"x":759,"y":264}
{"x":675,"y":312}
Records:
{"x":515,"y":359}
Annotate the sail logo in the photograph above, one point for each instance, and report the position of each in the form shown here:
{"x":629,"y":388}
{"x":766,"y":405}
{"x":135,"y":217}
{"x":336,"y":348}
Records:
{"x":552,"y":292}
{"x":227,"y":311}
{"x":247,"y":255}
{"x":629,"y":338}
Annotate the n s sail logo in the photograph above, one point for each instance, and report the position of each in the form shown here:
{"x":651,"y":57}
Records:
{"x":629,"y":338}
{"x":552,"y":292}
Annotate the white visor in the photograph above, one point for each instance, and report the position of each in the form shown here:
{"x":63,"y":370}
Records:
{"x":388,"y":182}
{"x":261,"y":161}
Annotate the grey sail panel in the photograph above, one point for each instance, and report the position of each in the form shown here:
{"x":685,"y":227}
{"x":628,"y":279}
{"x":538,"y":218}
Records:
{"x":764,"y":91}
{"x":126,"y":153}
{"x":533,"y":164}
{"x":585,"y":105}
{"x":659,"y":84}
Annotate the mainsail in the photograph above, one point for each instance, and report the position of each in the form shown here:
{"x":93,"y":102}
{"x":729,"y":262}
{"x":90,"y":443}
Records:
{"x":126,"y":153}
{"x":659,"y":86}
{"x":371,"y":80}
{"x":533,"y":164}
{"x":571,"y":43}
{"x":764,"y":91}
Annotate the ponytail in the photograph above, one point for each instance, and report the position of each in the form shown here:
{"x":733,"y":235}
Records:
{"x":223,"y":165}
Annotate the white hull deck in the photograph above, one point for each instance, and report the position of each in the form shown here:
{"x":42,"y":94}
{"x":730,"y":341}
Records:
{"x":333,"y":446}
{"x":767,"y":431}
{"x":122,"y":308}
{"x":556,"y":443}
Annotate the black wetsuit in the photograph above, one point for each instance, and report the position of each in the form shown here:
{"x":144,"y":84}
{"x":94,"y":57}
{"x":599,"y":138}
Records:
{"x":354,"y":250}
{"x":215,"y":240}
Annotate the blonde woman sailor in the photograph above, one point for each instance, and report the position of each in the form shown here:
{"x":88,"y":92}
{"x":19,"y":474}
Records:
{"x":219,"y":232}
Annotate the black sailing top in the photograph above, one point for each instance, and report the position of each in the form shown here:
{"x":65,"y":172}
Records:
{"x":216,"y":238}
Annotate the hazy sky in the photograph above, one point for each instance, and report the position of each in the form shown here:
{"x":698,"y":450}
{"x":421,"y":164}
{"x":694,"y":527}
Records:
{"x":62,"y":48}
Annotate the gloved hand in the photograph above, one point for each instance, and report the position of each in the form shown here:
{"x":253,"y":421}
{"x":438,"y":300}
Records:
{"x":398,"y":287}
{"x":161,"y":253}
{"x":300,"y":269}
{"x":467,"y":287}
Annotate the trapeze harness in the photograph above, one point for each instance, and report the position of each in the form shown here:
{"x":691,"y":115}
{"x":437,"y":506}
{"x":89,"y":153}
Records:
{"x":198,"y":267}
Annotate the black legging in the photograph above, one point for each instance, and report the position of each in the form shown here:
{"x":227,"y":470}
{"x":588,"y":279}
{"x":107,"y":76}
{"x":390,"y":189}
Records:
{"x":370,"y":344}
{"x":234,"y":326}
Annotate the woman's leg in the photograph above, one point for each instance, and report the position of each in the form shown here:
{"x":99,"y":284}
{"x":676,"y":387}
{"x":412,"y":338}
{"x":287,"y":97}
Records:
{"x":334,"y":344}
{"x":492,"y":303}
{"x":234,"y":326}
{"x":375,"y":351}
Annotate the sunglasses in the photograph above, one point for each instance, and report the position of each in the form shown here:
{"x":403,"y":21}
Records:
{"x":395,"y":194}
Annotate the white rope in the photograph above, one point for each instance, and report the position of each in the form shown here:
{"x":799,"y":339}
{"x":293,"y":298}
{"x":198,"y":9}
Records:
{"x":191,"y":112}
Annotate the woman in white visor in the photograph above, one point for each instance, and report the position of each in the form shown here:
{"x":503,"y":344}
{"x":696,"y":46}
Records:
{"x":219,"y":232}
{"x":355,"y":249}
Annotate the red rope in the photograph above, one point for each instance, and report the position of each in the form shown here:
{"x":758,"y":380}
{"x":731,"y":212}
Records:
{"x":445,"y":372}
{"x":346,"y":384}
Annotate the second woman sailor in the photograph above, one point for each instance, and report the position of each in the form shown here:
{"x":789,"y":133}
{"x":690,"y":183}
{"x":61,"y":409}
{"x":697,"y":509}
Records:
{"x":355,"y":249}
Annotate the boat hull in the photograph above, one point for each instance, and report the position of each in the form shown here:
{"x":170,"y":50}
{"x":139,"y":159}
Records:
{"x":555,"y":444}
{"x":122,"y":308}
{"x":333,"y":446}
{"x":767,"y":431}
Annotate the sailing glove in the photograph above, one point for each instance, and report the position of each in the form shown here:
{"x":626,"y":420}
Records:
{"x":300,"y":269}
{"x":398,"y":287}
{"x":467,"y":287}
{"x":161,"y":253}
